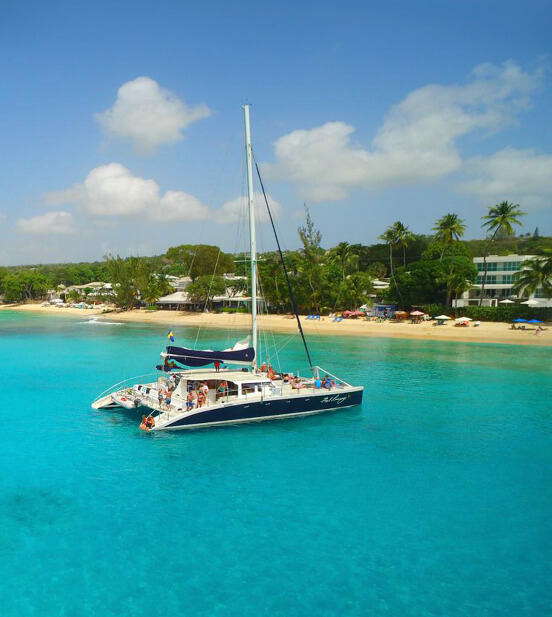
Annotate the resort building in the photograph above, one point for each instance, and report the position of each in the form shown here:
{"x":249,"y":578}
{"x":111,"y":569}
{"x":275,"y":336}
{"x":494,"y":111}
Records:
{"x":234,"y":298}
{"x":502,"y":272}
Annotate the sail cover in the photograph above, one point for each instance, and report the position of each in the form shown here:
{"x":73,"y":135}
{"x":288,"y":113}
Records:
{"x":240,"y":353}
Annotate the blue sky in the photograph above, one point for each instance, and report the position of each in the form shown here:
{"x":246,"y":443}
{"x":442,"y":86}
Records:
{"x":121,"y":122}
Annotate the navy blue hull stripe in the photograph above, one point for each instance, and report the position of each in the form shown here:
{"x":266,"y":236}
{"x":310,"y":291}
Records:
{"x":276,"y":408}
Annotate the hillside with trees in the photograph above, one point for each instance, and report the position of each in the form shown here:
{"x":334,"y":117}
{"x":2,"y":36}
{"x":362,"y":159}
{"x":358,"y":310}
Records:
{"x":422,"y":269}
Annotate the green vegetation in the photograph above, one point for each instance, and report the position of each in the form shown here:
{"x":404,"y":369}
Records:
{"x":424,"y":270}
{"x":500,"y":219}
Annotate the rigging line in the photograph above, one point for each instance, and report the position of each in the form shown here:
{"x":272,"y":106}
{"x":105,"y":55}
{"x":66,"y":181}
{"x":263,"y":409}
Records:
{"x":208,"y":296}
{"x":291,"y":296}
{"x":267,"y":332}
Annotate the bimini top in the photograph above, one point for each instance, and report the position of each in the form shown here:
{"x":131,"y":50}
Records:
{"x":240,"y":353}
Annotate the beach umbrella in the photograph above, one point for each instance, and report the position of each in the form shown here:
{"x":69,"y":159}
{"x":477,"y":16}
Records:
{"x":417,"y":313}
{"x":442,"y":317}
{"x":461,"y":319}
{"x":530,"y":303}
{"x":401,"y":313}
{"x":519,"y":320}
{"x":506,"y":301}
{"x":534,"y":321}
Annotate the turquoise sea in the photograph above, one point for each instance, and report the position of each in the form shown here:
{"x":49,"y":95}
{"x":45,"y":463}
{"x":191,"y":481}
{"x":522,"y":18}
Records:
{"x":433,"y":499}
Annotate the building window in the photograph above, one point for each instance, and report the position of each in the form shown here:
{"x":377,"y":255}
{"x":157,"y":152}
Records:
{"x":491,"y":279}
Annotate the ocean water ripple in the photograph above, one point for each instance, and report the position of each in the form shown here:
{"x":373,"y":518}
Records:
{"x":433,"y":498}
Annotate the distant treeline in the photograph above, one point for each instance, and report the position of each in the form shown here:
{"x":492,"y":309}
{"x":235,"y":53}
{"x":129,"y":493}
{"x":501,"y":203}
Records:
{"x":424,"y":269}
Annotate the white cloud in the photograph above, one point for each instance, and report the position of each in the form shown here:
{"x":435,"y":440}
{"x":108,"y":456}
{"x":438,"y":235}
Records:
{"x":148,"y":115}
{"x":522,"y":176}
{"x":416,"y":143}
{"x":111,"y":190}
{"x":57,"y":222}
{"x":236,"y":209}
{"x":179,"y":206}
{"x":3,"y":217}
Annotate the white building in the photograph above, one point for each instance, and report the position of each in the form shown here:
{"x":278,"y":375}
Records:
{"x":502,"y":271}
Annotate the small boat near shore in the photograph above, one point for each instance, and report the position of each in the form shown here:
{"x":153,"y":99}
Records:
{"x":199,"y":396}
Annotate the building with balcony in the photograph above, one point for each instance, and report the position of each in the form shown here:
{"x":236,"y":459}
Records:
{"x":502,"y":273}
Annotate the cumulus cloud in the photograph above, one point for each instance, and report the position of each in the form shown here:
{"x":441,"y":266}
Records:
{"x":416,"y":143}
{"x":179,"y":206}
{"x":236,"y":209}
{"x":57,"y":222}
{"x":111,"y":190}
{"x":148,"y":116}
{"x":523,"y":176}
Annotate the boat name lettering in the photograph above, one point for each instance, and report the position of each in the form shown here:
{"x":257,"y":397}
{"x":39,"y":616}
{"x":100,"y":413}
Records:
{"x":334,"y":399}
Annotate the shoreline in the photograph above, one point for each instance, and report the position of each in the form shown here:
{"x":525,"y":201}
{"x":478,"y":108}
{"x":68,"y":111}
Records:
{"x":487,"y":332}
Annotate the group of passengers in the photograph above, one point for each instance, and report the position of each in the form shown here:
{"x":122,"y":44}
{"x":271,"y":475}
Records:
{"x":270,"y":373}
{"x":325,"y":383}
{"x":197,"y":396}
{"x":164,"y":396}
{"x":147,"y":423}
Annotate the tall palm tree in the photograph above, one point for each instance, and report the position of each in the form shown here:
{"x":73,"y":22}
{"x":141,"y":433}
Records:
{"x":345,"y":256}
{"x":403,"y":236}
{"x":502,"y":216}
{"x":536,"y":273}
{"x":448,"y":230}
{"x":389,"y":236}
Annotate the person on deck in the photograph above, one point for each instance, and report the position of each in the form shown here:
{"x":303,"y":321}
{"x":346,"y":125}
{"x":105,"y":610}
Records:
{"x":217,"y":366}
{"x":169,"y":365}
{"x":222,"y":390}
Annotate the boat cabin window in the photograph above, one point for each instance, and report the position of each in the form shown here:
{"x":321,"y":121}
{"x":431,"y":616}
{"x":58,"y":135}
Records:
{"x":249,"y":388}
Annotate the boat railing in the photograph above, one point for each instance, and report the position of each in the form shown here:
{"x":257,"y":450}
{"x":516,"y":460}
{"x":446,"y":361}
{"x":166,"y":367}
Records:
{"x":131,"y":381}
{"x":316,"y":371}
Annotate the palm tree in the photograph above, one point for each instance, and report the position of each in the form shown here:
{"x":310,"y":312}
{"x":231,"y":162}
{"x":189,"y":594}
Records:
{"x":536,"y":273}
{"x":403,"y":236}
{"x":448,"y":230}
{"x":502,"y":216}
{"x":345,"y":256}
{"x":389,"y":236}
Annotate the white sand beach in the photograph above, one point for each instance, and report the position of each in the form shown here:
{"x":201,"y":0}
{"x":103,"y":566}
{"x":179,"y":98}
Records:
{"x":487,"y":332}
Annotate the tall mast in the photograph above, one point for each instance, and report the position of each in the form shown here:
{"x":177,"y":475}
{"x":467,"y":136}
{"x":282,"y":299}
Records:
{"x":252,"y":238}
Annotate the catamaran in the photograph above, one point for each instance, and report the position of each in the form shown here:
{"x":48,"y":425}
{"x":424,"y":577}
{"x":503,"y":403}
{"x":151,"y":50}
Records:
{"x":200,"y":396}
